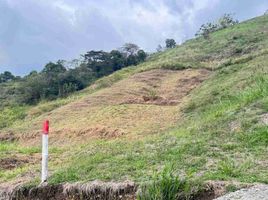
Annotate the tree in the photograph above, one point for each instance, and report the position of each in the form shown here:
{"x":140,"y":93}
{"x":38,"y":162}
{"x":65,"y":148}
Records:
{"x":73,"y":63}
{"x":170,"y":43}
{"x":54,"y":68}
{"x":159,"y":48}
{"x":141,"y":55}
{"x":99,"y":62}
{"x":117,"y":59}
{"x":6,"y":76}
{"x":32,"y":73}
{"x":61,"y":78}
{"x":82,"y":76}
{"x":52,"y":73}
{"x":133,"y":54}
{"x":32,"y":89}
{"x":131,"y":60}
{"x":130,"y":49}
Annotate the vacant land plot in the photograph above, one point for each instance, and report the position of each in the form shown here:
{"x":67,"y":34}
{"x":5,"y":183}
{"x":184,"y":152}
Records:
{"x":145,"y":103}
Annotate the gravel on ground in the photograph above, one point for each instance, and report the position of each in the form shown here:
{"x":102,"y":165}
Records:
{"x":257,"y":192}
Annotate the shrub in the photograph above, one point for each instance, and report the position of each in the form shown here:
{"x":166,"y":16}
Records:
{"x":224,"y":22}
{"x":167,"y":186}
{"x":206,"y":29}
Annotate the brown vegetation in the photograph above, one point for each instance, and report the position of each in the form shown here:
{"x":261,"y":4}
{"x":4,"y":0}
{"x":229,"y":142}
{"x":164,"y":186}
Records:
{"x":147,"y":102}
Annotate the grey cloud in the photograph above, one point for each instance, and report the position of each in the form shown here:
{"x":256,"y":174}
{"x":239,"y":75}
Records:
{"x":33,"y":33}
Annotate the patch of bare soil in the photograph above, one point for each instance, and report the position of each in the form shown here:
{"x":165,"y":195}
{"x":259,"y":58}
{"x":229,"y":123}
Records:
{"x":235,"y":126}
{"x":8,"y":137}
{"x":12,"y":162}
{"x":98,"y":190}
{"x":166,"y":87}
{"x":158,"y":87}
{"x":95,"y":190}
{"x":103,"y":115}
{"x":101,"y":132}
{"x":68,"y":135}
{"x":214,"y":189}
{"x":264,"y":119}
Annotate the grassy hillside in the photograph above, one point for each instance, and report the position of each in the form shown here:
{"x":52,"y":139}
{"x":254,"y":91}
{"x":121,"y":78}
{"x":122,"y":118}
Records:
{"x":201,"y":107}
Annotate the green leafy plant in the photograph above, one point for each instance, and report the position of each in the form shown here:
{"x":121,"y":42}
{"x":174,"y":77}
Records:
{"x":166,"y":186}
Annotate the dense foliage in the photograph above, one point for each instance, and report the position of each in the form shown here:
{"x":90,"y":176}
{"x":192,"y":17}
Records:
{"x":170,"y":43}
{"x":58,"y":80}
{"x":6,"y":77}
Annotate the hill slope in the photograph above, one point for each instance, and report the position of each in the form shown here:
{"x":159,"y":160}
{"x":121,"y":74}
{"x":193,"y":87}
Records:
{"x":201,"y":107}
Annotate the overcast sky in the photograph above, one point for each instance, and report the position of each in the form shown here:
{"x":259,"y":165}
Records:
{"x":34,"y":32}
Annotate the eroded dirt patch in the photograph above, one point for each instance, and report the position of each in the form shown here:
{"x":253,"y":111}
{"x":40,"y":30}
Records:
{"x":158,"y":87}
{"x":98,"y":190}
{"x":12,"y":162}
{"x":220,"y":188}
{"x":101,"y":132}
{"x":95,"y":190}
{"x":8,"y":137}
{"x":81,"y":134}
{"x":145,"y":103}
{"x":166,"y":87}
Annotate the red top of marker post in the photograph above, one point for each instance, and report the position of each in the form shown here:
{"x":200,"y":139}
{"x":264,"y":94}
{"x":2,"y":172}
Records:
{"x":46,"y":127}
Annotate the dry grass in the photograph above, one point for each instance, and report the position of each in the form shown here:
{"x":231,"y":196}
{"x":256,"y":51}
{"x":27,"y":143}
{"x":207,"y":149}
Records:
{"x":120,"y":110}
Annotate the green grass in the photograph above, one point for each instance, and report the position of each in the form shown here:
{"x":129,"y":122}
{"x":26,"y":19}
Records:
{"x":11,"y":147}
{"x":203,"y":142}
{"x":166,"y":185}
{"x":17,"y":151}
{"x":12,"y":174}
{"x":9,"y":115}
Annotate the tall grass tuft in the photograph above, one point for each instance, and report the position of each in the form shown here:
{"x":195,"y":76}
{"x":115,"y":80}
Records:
{"x":165,"y":186}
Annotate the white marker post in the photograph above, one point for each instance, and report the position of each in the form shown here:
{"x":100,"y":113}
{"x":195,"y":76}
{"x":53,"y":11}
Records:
{"x":45,"y":151}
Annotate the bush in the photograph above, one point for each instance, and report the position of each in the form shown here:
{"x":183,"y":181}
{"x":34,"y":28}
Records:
{"x":206,"y":29}
{"x":224,"y":22}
